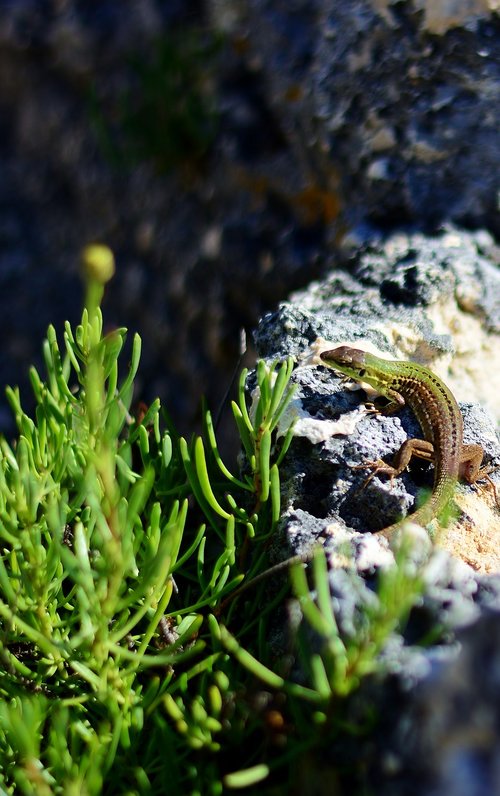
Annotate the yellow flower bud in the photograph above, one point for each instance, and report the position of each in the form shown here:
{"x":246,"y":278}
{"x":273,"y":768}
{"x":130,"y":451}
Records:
{"x":98,"y":262}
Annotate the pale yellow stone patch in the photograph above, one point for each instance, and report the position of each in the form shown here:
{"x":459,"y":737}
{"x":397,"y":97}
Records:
{"x":475,"y":539}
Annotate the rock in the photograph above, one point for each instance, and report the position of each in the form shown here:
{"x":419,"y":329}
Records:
{"x":426,"y":621}
{"x":448,"y":742}
{"x":404,"y":297}
{"x":396,"y":104}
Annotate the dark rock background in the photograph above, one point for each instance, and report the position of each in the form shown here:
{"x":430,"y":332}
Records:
{"x":226,"y":152}
{"x":399,"y":99}
{"x":143,"y":125}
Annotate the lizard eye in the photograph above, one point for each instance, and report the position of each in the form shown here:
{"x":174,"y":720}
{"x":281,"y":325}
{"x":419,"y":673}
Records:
{"x":362,"y":372}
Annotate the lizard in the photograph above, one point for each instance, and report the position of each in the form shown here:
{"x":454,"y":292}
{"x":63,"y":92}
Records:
{"x":405,"y":383}
{"x":438,"y":414}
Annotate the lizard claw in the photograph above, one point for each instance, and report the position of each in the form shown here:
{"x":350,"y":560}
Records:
{"x":378,"y":466}
{"x":490,"y":484}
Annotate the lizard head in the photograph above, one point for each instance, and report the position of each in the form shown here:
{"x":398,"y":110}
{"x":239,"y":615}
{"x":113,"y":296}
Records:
{"x":349,"y":361}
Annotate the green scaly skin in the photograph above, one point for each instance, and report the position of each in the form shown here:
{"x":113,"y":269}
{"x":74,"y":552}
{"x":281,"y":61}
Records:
{"x":437,"y":413}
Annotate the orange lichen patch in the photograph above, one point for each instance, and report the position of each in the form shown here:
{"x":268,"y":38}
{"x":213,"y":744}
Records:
{"x":294,"y":93}
{"x":476,"y":538}
{"x":316,"y":204}
{"x":312,"y":203}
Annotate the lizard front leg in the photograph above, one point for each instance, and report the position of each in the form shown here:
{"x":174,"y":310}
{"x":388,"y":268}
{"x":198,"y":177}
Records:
{"x":411,"y":447}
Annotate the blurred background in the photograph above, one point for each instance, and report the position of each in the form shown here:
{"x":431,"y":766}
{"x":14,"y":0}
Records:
{"x":143,"y":125}
{"x":229,"y":152}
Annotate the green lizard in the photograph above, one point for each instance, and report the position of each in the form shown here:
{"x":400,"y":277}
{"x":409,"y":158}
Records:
{"x":440,"y":418}
{"x":438,"y":414}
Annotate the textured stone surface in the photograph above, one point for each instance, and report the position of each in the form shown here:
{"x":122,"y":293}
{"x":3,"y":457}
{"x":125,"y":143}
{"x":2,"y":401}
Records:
{"x":400,"y":99}
{"x":432,"y":702}
{"x":449,"y":742}
{"x":433,"y":300}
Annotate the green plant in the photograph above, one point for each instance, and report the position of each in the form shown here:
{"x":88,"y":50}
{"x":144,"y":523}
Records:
{"x":132,"y":662}
{"x":340,"y":663}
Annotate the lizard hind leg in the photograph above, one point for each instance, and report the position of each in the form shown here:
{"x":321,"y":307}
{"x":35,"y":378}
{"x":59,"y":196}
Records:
{"x":472,"y":471}
{"x":420,"y":448}
{"x":485,"y":475}
{"x":378,"y":467}
{"x":491,"y":483}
